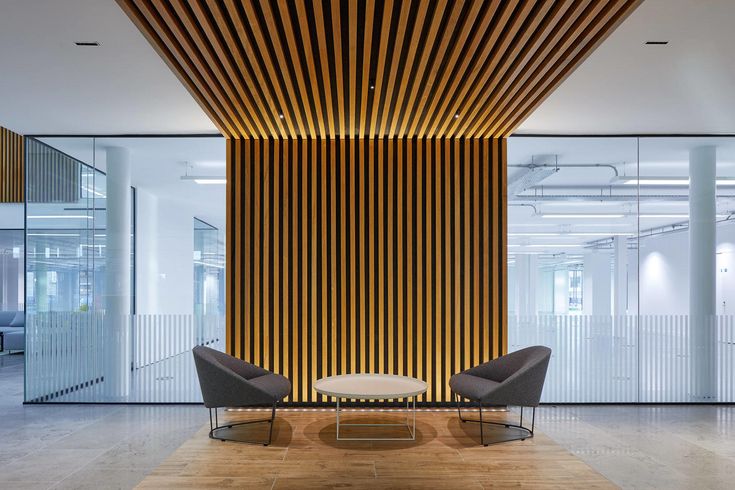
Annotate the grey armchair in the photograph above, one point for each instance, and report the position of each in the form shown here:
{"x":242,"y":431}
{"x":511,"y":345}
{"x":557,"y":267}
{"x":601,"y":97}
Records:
{"x":227,"y":381}
{"x":514,"y":379}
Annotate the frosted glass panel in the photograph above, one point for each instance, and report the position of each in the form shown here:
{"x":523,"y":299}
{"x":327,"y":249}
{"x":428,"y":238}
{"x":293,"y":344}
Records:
{"x":631,"y":359}
{"x":65,"y":357}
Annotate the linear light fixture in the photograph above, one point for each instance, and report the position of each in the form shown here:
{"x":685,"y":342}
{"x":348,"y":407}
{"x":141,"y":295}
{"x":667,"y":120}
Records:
{"x":582,"y":234}
{"x":676,"y":215}
{"x":54,"y":234}
{"x":61,"y":216}
{"x":671,"y":181}
{"x":582,"y":216}
{"x":548,"y":245}
{"x":205,"y":179}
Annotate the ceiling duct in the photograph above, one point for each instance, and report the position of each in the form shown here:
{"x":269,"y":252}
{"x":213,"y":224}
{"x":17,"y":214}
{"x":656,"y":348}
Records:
{"x":540,"y":168}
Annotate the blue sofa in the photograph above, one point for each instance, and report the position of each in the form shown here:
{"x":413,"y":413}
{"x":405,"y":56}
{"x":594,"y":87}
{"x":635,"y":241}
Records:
{"x":12,"y":326}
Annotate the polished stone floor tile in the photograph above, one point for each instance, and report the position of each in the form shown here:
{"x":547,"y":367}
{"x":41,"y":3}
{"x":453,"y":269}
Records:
{"x":116,"y":446}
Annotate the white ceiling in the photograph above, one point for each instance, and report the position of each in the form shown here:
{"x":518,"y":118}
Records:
{"x":626,"y":87}
{"x":48,"y":85}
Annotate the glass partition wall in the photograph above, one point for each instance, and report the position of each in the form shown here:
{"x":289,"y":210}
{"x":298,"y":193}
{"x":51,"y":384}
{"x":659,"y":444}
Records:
{"x":619,"y":254}
{"x":111,"y":314}
{"x":11,"y":270}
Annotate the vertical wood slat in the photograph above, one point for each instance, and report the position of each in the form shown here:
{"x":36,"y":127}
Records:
{"x":378,"y":255}
{"x":12,"y":167}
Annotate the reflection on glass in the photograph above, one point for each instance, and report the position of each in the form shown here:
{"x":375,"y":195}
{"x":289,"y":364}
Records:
{"x":11,"y":270}
{"x":66,"y":237}
{"x":209,"y":270}
{"x":82,"y":345}
{"x":621,"y":259}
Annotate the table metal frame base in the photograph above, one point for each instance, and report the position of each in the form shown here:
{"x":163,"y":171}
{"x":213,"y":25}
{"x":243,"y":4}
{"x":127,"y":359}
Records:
{"x":411,"y":427}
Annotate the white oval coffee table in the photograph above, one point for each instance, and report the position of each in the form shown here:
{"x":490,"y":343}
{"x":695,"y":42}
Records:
{"x":373,"y":387}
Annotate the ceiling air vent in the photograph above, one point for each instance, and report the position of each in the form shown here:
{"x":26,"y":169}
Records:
{"x":87,"y":43}
{"x":657,"y":43}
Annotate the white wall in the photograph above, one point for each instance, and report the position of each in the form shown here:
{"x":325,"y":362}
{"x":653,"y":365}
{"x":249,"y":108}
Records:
{"x":164,"y":255}
{"x":664,"y":274}
{"x":12,"y":216}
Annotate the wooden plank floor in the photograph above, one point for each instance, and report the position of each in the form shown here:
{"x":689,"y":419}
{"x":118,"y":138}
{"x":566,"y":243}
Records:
{"x":305,"y":454}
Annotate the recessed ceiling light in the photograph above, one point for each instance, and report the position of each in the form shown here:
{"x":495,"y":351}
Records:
{"x":280,"y":116}
{"x":90,"y":44}
{"x":456,"y":116}
{"x":657,"y":43}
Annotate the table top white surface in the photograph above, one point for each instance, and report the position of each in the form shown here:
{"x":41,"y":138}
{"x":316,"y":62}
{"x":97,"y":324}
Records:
{"x":370,"y":386}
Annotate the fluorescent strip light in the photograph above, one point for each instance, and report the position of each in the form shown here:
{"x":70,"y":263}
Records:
{"x":682,"y":181}
{"x":210,"y":181}
{"x":54,"y":234}
{"x":683,"y":216}
{"x":550,"y":225}
{"x":205,"y":179}
{"x":612,"y":233}
{"x":61,"y":216}
{"x":546,"y":245}
{"x":581,"y":216}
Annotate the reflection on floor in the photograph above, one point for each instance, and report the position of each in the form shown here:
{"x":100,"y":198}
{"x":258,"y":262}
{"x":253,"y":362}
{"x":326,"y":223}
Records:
{"x":115,"y":446}
{"x":664,"y":446}
{"x":84,"y":446}
{"x":305,"y":454}
{"x":170,"y":380}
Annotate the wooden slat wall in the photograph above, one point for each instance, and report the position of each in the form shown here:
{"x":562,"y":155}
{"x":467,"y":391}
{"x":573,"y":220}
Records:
{"x":366,"y":68}
{"x":12,"y":166}
{"x":366,"y":166}
{"x":366,"y":255}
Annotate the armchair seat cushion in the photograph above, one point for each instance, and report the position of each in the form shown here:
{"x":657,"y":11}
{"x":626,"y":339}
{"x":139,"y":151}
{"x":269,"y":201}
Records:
{"x":472,"y":387}
{"x":275,"y":385}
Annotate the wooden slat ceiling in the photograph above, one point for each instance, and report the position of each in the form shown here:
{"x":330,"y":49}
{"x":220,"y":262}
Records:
{"x":349,"y":68}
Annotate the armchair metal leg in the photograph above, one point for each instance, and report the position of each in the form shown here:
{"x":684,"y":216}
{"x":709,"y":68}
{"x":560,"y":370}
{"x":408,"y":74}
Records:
{"x":213,"y":428}
{"x":523,"y":437}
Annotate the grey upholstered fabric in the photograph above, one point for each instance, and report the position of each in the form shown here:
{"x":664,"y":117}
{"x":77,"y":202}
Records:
{"x":6,"y":317}
{"x":15,"y":341}
{"x":19,"y":320}
{"x":230,"y":382}
{"x":513,"y":379}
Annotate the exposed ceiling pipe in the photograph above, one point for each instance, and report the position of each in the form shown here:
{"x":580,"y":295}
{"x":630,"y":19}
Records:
{"x":569,"y":165}
{"x":535,"y":211}
{"x":605,"y":198}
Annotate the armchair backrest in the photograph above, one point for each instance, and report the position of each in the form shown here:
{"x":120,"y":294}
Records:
{"x":521,"y":374}
{"x":224,"y":379}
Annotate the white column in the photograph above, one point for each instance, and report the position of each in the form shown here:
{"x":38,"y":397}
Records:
{"x":596,"y":284}
{"x":620,"y":279}
{"x":117,"y":275}
{"x":561,"y":292}
{"x":702,"y":270}
{"x":526,"y":271}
